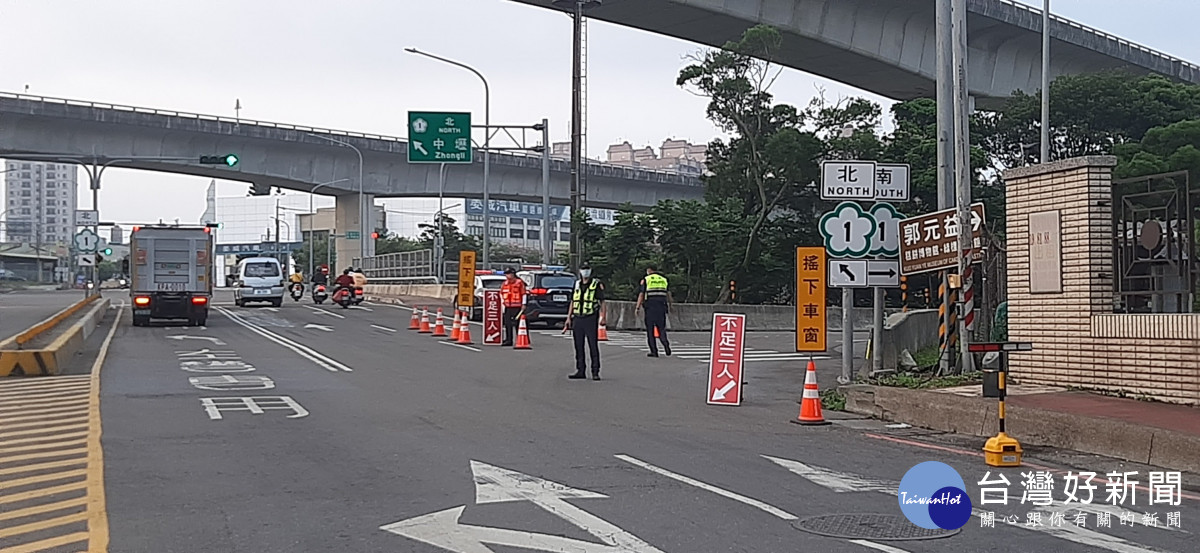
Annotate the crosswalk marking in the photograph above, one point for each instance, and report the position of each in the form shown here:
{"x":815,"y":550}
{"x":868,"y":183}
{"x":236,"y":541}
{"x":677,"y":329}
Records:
{"x":43,"y":463}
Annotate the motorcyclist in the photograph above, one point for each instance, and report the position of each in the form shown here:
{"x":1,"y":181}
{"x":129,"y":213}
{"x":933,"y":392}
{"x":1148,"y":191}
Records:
{"x":360,"y":279}
{"x":321,"y":277}
{"x":344,"y":280}
{"x":297,"y":278}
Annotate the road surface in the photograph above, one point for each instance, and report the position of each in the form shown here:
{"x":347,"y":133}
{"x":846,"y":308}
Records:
{"x":23,"y":309}
{"x":310,"y":428}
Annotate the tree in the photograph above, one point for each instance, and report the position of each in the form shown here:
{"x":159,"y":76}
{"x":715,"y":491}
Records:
{"x":770,"y":159}
{"x":453,"y":240}
{"x":393,"y":243}
{"x":321,"y":254}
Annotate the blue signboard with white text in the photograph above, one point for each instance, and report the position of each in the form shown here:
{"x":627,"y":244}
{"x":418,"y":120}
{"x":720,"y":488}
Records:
{"x":265,"y":248}
{"x":525,"y":210}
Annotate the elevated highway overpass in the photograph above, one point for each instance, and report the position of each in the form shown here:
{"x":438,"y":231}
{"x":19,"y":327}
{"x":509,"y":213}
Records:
{"x":888,"y":46}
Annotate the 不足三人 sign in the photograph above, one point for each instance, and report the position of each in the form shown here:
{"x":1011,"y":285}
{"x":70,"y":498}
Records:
{"x":491,"y":317}
{"x":930,"y":242}
{"x":725,"y":362}
{"x":810,"y":299}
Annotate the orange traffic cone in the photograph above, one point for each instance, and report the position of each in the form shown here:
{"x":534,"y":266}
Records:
{"x":440,"y":328}
{"x":810,"y":404}
{"x":656,"y":332}
{"x":454,"y":331}
{"x":415,"y":323}
{"x":602,"y":335}
{"x":464,"y":331}
{"x":523,"y":336}
{"x":424,"y":322}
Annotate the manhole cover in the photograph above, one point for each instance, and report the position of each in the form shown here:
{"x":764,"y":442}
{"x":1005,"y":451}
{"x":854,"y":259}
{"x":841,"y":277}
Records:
{"x":868,"y":526}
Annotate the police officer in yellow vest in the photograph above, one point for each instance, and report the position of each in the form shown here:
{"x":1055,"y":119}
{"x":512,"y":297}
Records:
{"x":656,"y":299}
{"x":583,"y":318}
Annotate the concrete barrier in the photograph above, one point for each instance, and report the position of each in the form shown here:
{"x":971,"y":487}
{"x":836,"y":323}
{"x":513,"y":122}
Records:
{"x":49,"y":360}
{"x":699,"y":316}
{"x":437,"y":291}
{"x":912,"y":331}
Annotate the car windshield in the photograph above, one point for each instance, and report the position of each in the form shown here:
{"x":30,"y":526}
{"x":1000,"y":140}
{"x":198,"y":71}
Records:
{"x":263,"y":269}
{"x":492,"y":283}
{"x":557,"y":281}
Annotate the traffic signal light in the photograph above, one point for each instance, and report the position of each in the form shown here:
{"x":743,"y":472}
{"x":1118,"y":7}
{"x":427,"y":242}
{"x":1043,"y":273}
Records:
{"x":125,"y":266}
{"x":228,"y":159}
{"x":107,"y":251}
{"x":375,"y":236}
{"x":259,"y":189}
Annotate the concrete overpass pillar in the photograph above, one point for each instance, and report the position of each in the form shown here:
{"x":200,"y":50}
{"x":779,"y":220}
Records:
{"x":347,"y":219}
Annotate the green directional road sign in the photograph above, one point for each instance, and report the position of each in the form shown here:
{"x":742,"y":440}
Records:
{"x":352,"y":234}
{"x":439,"y":137}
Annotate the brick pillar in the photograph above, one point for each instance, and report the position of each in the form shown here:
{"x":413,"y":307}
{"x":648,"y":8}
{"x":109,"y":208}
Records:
{"x":1052,"y":296}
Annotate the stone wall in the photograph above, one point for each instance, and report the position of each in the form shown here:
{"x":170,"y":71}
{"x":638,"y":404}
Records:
{"x":1078,"y":340}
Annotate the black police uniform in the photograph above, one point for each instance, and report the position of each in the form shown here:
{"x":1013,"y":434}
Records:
{"x":656,"y":308}
{"x":585,"y":327}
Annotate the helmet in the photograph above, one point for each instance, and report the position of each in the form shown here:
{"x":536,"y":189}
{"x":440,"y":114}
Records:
{"x":347,"y":271}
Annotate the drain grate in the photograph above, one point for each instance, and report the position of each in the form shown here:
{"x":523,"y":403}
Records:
{"x":868,"y":526}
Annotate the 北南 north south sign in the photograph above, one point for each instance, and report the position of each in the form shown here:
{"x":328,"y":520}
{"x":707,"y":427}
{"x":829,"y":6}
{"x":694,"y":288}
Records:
{"x":86,"y":241}
{"x":864,"y":181}
{"x":439,"y":137}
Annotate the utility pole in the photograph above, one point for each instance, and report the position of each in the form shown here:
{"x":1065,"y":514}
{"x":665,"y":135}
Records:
{"x":963,"y":177}
{"x":945,"y":152}
{"x":547,"y":237}
{"x":576,"y":130}
{"x":1045,"y":157}
{"x":277,"y":229}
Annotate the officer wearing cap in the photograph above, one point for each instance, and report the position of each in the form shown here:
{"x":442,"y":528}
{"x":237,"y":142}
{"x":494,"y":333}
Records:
{"x":583,"y":318}
{"x":655,"y":297}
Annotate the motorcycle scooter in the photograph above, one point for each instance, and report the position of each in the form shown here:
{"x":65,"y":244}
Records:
{"x":319,"y":295}
{"x":297,"y":291}
{"x":343,"y":297}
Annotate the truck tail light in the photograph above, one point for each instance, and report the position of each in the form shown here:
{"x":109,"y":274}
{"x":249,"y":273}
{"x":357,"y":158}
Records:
{"x":199,"y":300}
{"x":141,"y":300}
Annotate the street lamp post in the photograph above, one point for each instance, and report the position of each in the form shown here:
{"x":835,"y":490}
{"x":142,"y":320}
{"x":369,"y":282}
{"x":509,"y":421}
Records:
{"x":1045,"y":157}
{"x":312,"y":217}
{"x":487,"y":136}
{"x":363,"y":212}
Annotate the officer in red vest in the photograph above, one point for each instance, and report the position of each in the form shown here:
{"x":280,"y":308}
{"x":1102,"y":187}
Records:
{"x":512,"y":294}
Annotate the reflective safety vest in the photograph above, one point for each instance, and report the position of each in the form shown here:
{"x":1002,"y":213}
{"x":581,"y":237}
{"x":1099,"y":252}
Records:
{"x":513,"y":293}
{"x":656,"y":285}
{"x":585,"y":305}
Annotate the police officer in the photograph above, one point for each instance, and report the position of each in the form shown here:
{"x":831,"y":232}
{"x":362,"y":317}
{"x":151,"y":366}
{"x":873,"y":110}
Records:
{"x":512,"y":295}
{"x":583,"y":318}
{"x":656,"y":299}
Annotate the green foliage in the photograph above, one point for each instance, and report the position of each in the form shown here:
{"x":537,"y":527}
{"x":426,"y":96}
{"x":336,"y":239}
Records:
{"x":107,"y":269}
{"x":833,"y":399}
{"x":453,"y":240}
{"x":924,"y":381}
{"x":321,"y":253}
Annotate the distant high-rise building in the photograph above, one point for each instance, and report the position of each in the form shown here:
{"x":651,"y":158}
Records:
{"x":40,"y":202}
{"x":118,"y":235}
{"x":675,"y":155}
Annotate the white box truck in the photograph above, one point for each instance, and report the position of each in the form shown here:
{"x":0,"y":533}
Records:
{"x":171,"y":273}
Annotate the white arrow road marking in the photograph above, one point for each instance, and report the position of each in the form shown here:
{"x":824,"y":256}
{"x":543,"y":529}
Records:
{"x":383,"y":328}
{"x":322,"y":327}
{"x":304,"y":351}
{"x":319,"y":310}
{"x":272,"y":309}
{"x":498,"y":485}
{"x":879,"y":546}
{"x":442,"y":529}
{"x":186,"y":337}
{"x":724,"y":493}
{"x":843,"y":482}
{"x":720,"y":393}
{"x":361,"y":308}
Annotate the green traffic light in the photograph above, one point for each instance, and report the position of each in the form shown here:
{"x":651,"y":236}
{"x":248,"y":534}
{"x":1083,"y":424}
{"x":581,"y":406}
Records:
{"x":231,"y":160}
{"x":107,"y":251}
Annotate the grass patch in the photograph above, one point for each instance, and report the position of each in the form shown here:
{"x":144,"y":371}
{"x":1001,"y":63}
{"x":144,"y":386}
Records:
{"x":927,"y":380}
{"x":833,"y":399}
{"x":928,"y":357}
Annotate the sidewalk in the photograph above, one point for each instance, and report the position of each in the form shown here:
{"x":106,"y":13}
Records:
{"x":1159,"y":434}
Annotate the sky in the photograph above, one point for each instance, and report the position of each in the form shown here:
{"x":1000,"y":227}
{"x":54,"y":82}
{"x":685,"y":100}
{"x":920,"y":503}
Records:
{"x":341,"y":65}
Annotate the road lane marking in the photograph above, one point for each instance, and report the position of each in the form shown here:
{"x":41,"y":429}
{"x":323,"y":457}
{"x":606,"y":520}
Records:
{"x":707,"y":487}
{"x":457,"y":345}
{"x":879,"y":546}
{"x":48,"y":543}
{"x":45,"y":438}
{"x":6,"y":450}
{"x":302,"y":350}
{"x":361,"y":307}
{"x":319,"y":310}
{"x":45,"y":455}
{"x":383,"y":328}
{"x":52,"y":477}
{"x":46,"y":508}
{"x":42,"y":525}
{"x":43,"y":430}
{"x":42,"y":466}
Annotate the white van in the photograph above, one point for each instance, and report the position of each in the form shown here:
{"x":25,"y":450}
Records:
{"x":259,"y":279}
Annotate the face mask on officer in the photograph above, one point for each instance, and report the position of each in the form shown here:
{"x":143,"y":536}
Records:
{"x":586,"y":273}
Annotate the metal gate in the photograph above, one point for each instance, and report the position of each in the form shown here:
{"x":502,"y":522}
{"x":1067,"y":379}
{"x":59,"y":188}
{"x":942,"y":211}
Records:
{"x":1154,"y":246}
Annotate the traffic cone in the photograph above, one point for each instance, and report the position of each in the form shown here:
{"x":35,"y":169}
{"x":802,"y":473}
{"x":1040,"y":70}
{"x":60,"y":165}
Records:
{"x":523,"y":336}
{"x":415,"y":323}
{"x":440,"y":328}
{"x":464,"y":331}
{"x":424,"y":322}
{"x":454,"y":331}
{"x":602,"y":335}
{"x":656,"y":332}
{"x":810,"y":404}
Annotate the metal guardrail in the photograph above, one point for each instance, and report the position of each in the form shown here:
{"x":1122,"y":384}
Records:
{"x":40,"y":328}
{"x":1120,"y":41}
{"x":416,"y":264}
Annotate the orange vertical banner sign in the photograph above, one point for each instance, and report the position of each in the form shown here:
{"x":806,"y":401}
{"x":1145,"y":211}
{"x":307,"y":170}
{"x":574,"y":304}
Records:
{"x":810,"y":299}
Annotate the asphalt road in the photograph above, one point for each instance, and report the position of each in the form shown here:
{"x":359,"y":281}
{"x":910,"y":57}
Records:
{"x":23,"y":309}
{"x":373,"y":438}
